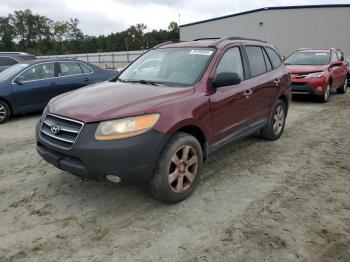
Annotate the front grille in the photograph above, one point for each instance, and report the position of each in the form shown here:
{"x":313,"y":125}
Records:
{"x":60,"y":131}
{"x":299,"y":84}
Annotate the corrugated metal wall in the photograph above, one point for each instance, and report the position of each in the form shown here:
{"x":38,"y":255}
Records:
{"x":288,"y":29}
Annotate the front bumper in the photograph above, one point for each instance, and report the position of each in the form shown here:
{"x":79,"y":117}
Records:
{"x":311,"y":86}
{"x":132,"y":159}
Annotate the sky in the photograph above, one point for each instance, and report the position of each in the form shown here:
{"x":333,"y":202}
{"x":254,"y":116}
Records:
{"x":108,"y":16}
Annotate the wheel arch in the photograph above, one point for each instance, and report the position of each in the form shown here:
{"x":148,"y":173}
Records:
{"x":198,"y":133}
{"x":8,"y":103}
{"x":284,"y":99}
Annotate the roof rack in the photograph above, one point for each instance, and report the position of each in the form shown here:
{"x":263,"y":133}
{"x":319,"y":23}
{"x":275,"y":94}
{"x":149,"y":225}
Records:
{"x":207,"y":38}
{"x":167,"y":43}
{"x":304,"y":48}
{"x":243,"y":38}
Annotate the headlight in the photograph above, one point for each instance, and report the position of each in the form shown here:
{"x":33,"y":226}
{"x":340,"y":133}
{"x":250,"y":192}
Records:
{"x":315,"y":75}
{"x":126,"y":127}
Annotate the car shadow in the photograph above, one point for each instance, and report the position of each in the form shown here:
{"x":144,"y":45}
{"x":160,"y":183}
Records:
{"x":106,"y":197}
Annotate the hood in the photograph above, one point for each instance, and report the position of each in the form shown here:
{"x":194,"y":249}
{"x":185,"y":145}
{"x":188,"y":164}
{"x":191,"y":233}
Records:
{"x":109,"y":100}
{"x":306,"y":68}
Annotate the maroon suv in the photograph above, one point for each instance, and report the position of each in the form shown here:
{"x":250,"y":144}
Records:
{"x":158,"y":121}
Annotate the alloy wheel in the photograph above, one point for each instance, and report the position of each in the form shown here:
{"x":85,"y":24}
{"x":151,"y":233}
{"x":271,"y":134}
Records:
{"x":345,"y":85}
{"x":2,"y":112}
{"x":327,"y":93}
{"x":278,"y":120}
{"x":183,"y":169}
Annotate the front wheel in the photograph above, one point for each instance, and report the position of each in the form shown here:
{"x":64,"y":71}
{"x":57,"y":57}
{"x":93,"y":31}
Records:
{"x":178,"y":169}
{"x":277,"y":120}
{"x":325,"y":97}
{"x":4,"y":112}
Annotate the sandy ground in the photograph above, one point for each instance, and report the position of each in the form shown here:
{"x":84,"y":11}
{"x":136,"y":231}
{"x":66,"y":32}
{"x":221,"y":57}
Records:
{"x":287,"y":200}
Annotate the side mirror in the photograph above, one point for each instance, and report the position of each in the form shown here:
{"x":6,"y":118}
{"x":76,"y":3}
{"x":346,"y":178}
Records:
{"x":342,"y":58}
{"x":19,"y":80}
{"x":337,"y":64}
{"x":226,"y":79}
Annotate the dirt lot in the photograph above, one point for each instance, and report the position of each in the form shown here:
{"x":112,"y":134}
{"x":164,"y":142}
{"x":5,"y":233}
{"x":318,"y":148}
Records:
{"x":287,"y":200}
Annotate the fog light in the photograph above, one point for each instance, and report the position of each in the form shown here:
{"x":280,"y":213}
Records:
{"x":319,"y":89}
{"x":113,"y":178}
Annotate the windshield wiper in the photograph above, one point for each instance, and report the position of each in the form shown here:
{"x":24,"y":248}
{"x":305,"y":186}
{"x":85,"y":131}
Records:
{"x":145,"y":82}
{"x":121,"y":80}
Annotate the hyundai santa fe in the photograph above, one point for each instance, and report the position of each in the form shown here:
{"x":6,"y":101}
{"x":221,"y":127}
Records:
{"x":158,"y":121}
{"x":318,"y":72}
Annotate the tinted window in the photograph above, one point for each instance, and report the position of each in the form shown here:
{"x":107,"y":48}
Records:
{"x":274,"y":57}
{"x":85,"y":68}
{"x":334,"y":57}
{"x":41,"y":71}
{"x":70,"y":68}
{"x":231,"y":62}
{"x":7,"y":61}
{"x":267,"y":61}
{"x":308,"y":58}
{"x":256,"y":60}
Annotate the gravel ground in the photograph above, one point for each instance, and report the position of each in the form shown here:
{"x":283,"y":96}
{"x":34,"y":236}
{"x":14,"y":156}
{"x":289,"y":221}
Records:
{"x":287,"y":200}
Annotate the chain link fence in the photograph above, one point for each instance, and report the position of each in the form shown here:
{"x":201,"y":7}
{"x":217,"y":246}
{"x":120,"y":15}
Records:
{"x":108,"y":60}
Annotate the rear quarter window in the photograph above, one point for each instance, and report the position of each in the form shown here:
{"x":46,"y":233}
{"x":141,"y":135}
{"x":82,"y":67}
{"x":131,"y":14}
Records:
{"x":274,"y":57}
{"x":85,"y":68}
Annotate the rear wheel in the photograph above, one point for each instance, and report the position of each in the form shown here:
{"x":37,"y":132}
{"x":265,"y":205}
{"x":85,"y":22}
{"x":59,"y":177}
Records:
{"x":342,"y":90}
{"x":5,"y":112}
{"x":277,"y":120}
{"x":178,"y":169}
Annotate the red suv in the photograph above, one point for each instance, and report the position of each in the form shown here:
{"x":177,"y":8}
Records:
{"x":318,"y":72}
{"x":157,"y":122}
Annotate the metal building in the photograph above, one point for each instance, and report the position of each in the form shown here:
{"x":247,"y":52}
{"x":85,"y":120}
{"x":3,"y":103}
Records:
{"x":289,"y":27}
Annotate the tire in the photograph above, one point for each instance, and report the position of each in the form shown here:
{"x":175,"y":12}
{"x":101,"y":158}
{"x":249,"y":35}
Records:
{"x":171,"y":182}
{"x":342,"y":89}
{"x":276,"y":123}
{"x":325,"y":97}
{"x":5,"y":112}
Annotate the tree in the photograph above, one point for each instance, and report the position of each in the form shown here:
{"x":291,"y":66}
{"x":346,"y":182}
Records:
{"x":34,"y":33}
{"x":76,"y":35}
{"x":7,"y":34}
{"x":60,"y":33}
{"x":174,"y":30}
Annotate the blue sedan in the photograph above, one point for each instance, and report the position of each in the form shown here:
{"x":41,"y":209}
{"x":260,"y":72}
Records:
{"x":28,"y":86}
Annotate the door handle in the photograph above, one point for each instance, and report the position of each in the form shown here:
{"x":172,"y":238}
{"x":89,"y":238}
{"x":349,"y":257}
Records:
{"x":54,"y":83}
{"x":87,"y":79}
{"x":248,"y":92}
{"x":277,"y":81}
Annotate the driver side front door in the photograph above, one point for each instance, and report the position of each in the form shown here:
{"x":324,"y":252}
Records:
{"x":35,"y":87}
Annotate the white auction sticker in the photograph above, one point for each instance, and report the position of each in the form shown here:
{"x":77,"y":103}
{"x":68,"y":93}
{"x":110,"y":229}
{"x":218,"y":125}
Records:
{"x":200,"y":52}
{"x":321,"y":54}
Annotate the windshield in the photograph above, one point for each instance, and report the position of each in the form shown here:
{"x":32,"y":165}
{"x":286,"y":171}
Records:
{"x":11,"y":71}
{"x":169,"y":66}
{"x":308,"y":58}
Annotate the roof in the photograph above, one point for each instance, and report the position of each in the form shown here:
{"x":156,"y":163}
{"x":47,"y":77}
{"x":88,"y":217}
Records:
{"x":268,"y":8}
{"x":14,"y":53}
{"x":44,"y":60}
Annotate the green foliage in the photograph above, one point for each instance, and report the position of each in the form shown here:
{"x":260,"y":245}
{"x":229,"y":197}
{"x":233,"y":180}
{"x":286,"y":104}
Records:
{"x":33,"y":33}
